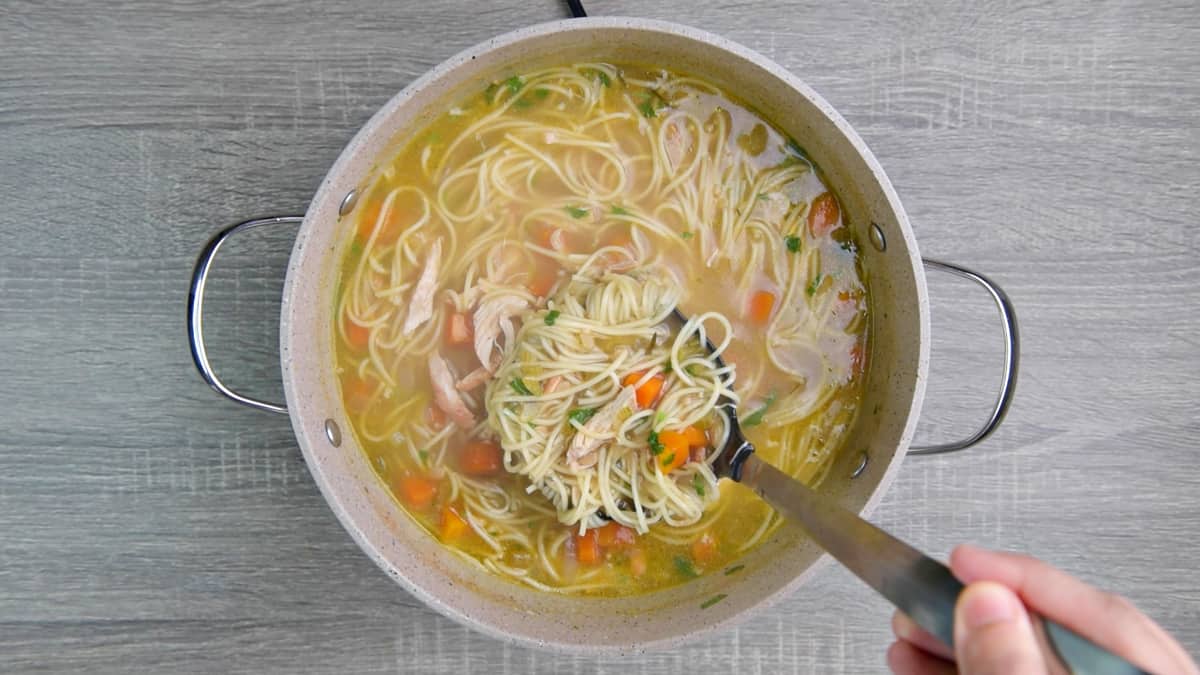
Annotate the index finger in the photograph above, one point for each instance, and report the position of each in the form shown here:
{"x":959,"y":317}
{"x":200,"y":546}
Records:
{"x":1106,"y":619}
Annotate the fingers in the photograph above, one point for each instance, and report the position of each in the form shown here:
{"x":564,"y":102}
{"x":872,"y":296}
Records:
{"x":905,"y":659}
{"x":1108,"y":620}
{"x":992,"y":632}
{"x":908,"y":631}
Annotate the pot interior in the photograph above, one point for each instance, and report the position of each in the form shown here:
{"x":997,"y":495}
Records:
{"x":895,"y":374}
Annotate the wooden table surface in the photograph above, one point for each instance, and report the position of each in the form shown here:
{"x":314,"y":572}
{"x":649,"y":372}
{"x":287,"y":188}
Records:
{"x":147,"y":524}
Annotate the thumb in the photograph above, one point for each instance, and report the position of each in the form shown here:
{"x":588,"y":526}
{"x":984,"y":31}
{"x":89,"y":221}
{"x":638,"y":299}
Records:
{"x":992,"y":633}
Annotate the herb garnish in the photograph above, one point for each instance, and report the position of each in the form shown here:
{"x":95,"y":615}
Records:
{"x":698,"y":484}
{"x":816,"y":283}
{"x":685,"y":567}
{"x":756,"y":417}
{"x":551,"y":317}
{"x":618,"y":211}
{"x":518,"y":386}
{"x":686,"y":235}
{"x":576,"y":212}
{"x":581,"y":415}
{"x":656,"y":446}
{"x":514,"y":83}
{"x":793,"y":243}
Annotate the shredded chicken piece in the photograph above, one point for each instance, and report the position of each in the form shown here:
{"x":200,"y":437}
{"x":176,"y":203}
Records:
{"x":494,"y":316}
{"x":597,"y":431}
{"x":421,"y":306}
{"x":678,"y":141}
{"x":473,"y":379}
{"x":444,"y":394}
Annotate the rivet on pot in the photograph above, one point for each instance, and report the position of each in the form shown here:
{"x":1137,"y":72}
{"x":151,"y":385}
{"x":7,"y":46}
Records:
{"x":862,"y":465}
{"x":877,"y":238}
{"x":333,"y":433}
{"x":348,"y":202}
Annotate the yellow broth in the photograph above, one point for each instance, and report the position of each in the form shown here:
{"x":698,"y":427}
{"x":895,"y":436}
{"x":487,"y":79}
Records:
{"x":730,"y":243}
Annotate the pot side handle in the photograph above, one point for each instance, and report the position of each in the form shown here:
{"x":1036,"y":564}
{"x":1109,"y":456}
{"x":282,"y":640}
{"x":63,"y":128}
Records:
{"x":195,"y":312}
{"x":1012,"y":352}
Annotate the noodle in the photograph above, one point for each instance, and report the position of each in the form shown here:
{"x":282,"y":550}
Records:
{"x":603,"y":196}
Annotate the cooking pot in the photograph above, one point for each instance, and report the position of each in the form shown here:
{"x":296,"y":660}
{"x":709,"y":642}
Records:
{"x":862,"y":472}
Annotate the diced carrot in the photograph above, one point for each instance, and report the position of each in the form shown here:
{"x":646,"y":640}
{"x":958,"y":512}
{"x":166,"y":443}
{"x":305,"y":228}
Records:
{"x":637,"y":562}
{"x":761,"y":304}
{"x":357,"y":392}
{"x":695,"y":437}
{"x":417,"y":491}
{"x":823,"y":217}
{"x":856,"y":359}
{"x":481,"y":458}
{"x":454,"y":526}
{"x":367,"y":218}
{"x":675,"y":450}
{"x":436,"y":416}
{"x":648,"y":392}
{"x":459,"y":330}
{"x":613,"y":534}
{"x":704,"y":548}
{"x":587,"y":548}
{"x":357,"y":335}
{"x":542,"y":283}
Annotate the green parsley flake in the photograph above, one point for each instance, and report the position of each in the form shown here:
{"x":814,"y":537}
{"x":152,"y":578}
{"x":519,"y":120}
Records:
{"x":489,"y":94}
{"x":816,"y":283}
{"x":618,"y":211}
{"x":541,"y":93}
{"x":518,"y":386}
{"x":551,"y":317}
{"x":686,"y":235}
{"x":698,"y":484}
{"x":795,"y":149}
{"x":581,"y":415}
{"x":576,"y":212}
{"x":423,"y":454}
{"x":793,"y":243}
{"x":713,"y":600}
{"x":514,"y":84}
{"x":656,"y":446}
{"x":685,"y":567}
{"x":755,"y":418}
{"x":523,"y":103}
{"x":604,"y":78}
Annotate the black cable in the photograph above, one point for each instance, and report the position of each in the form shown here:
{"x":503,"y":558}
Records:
{"x":576,"y":7}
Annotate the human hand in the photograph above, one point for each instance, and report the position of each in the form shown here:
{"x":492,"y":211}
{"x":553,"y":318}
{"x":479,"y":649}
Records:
{"x":993,"y":633}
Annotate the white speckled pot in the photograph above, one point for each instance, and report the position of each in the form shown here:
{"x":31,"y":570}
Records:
{"x":507,"y":611}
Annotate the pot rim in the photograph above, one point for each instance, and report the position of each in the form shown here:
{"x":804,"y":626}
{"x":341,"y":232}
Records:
{"x":332,"y":495}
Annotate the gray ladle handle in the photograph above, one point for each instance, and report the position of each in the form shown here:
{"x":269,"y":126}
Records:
{"x":918,"y":585}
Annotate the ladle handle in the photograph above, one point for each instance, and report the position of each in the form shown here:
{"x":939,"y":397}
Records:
{"x":918,"y":585}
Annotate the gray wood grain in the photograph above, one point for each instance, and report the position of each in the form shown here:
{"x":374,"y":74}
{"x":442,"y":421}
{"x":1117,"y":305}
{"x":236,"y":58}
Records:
{"x":147,"y":525}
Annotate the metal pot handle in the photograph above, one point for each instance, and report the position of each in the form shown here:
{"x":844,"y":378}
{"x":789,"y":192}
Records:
{"x":1012,"y":351}
{"x":196,"y":311}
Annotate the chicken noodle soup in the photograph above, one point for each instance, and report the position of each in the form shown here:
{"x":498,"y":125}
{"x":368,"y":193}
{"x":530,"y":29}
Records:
{"x":505,"y":346}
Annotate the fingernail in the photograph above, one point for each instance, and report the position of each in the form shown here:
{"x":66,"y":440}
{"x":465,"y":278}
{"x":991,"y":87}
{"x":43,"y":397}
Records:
{"x":988,"y":603}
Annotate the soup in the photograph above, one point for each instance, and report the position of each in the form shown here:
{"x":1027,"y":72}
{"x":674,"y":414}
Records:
{"x":505,"y":343}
